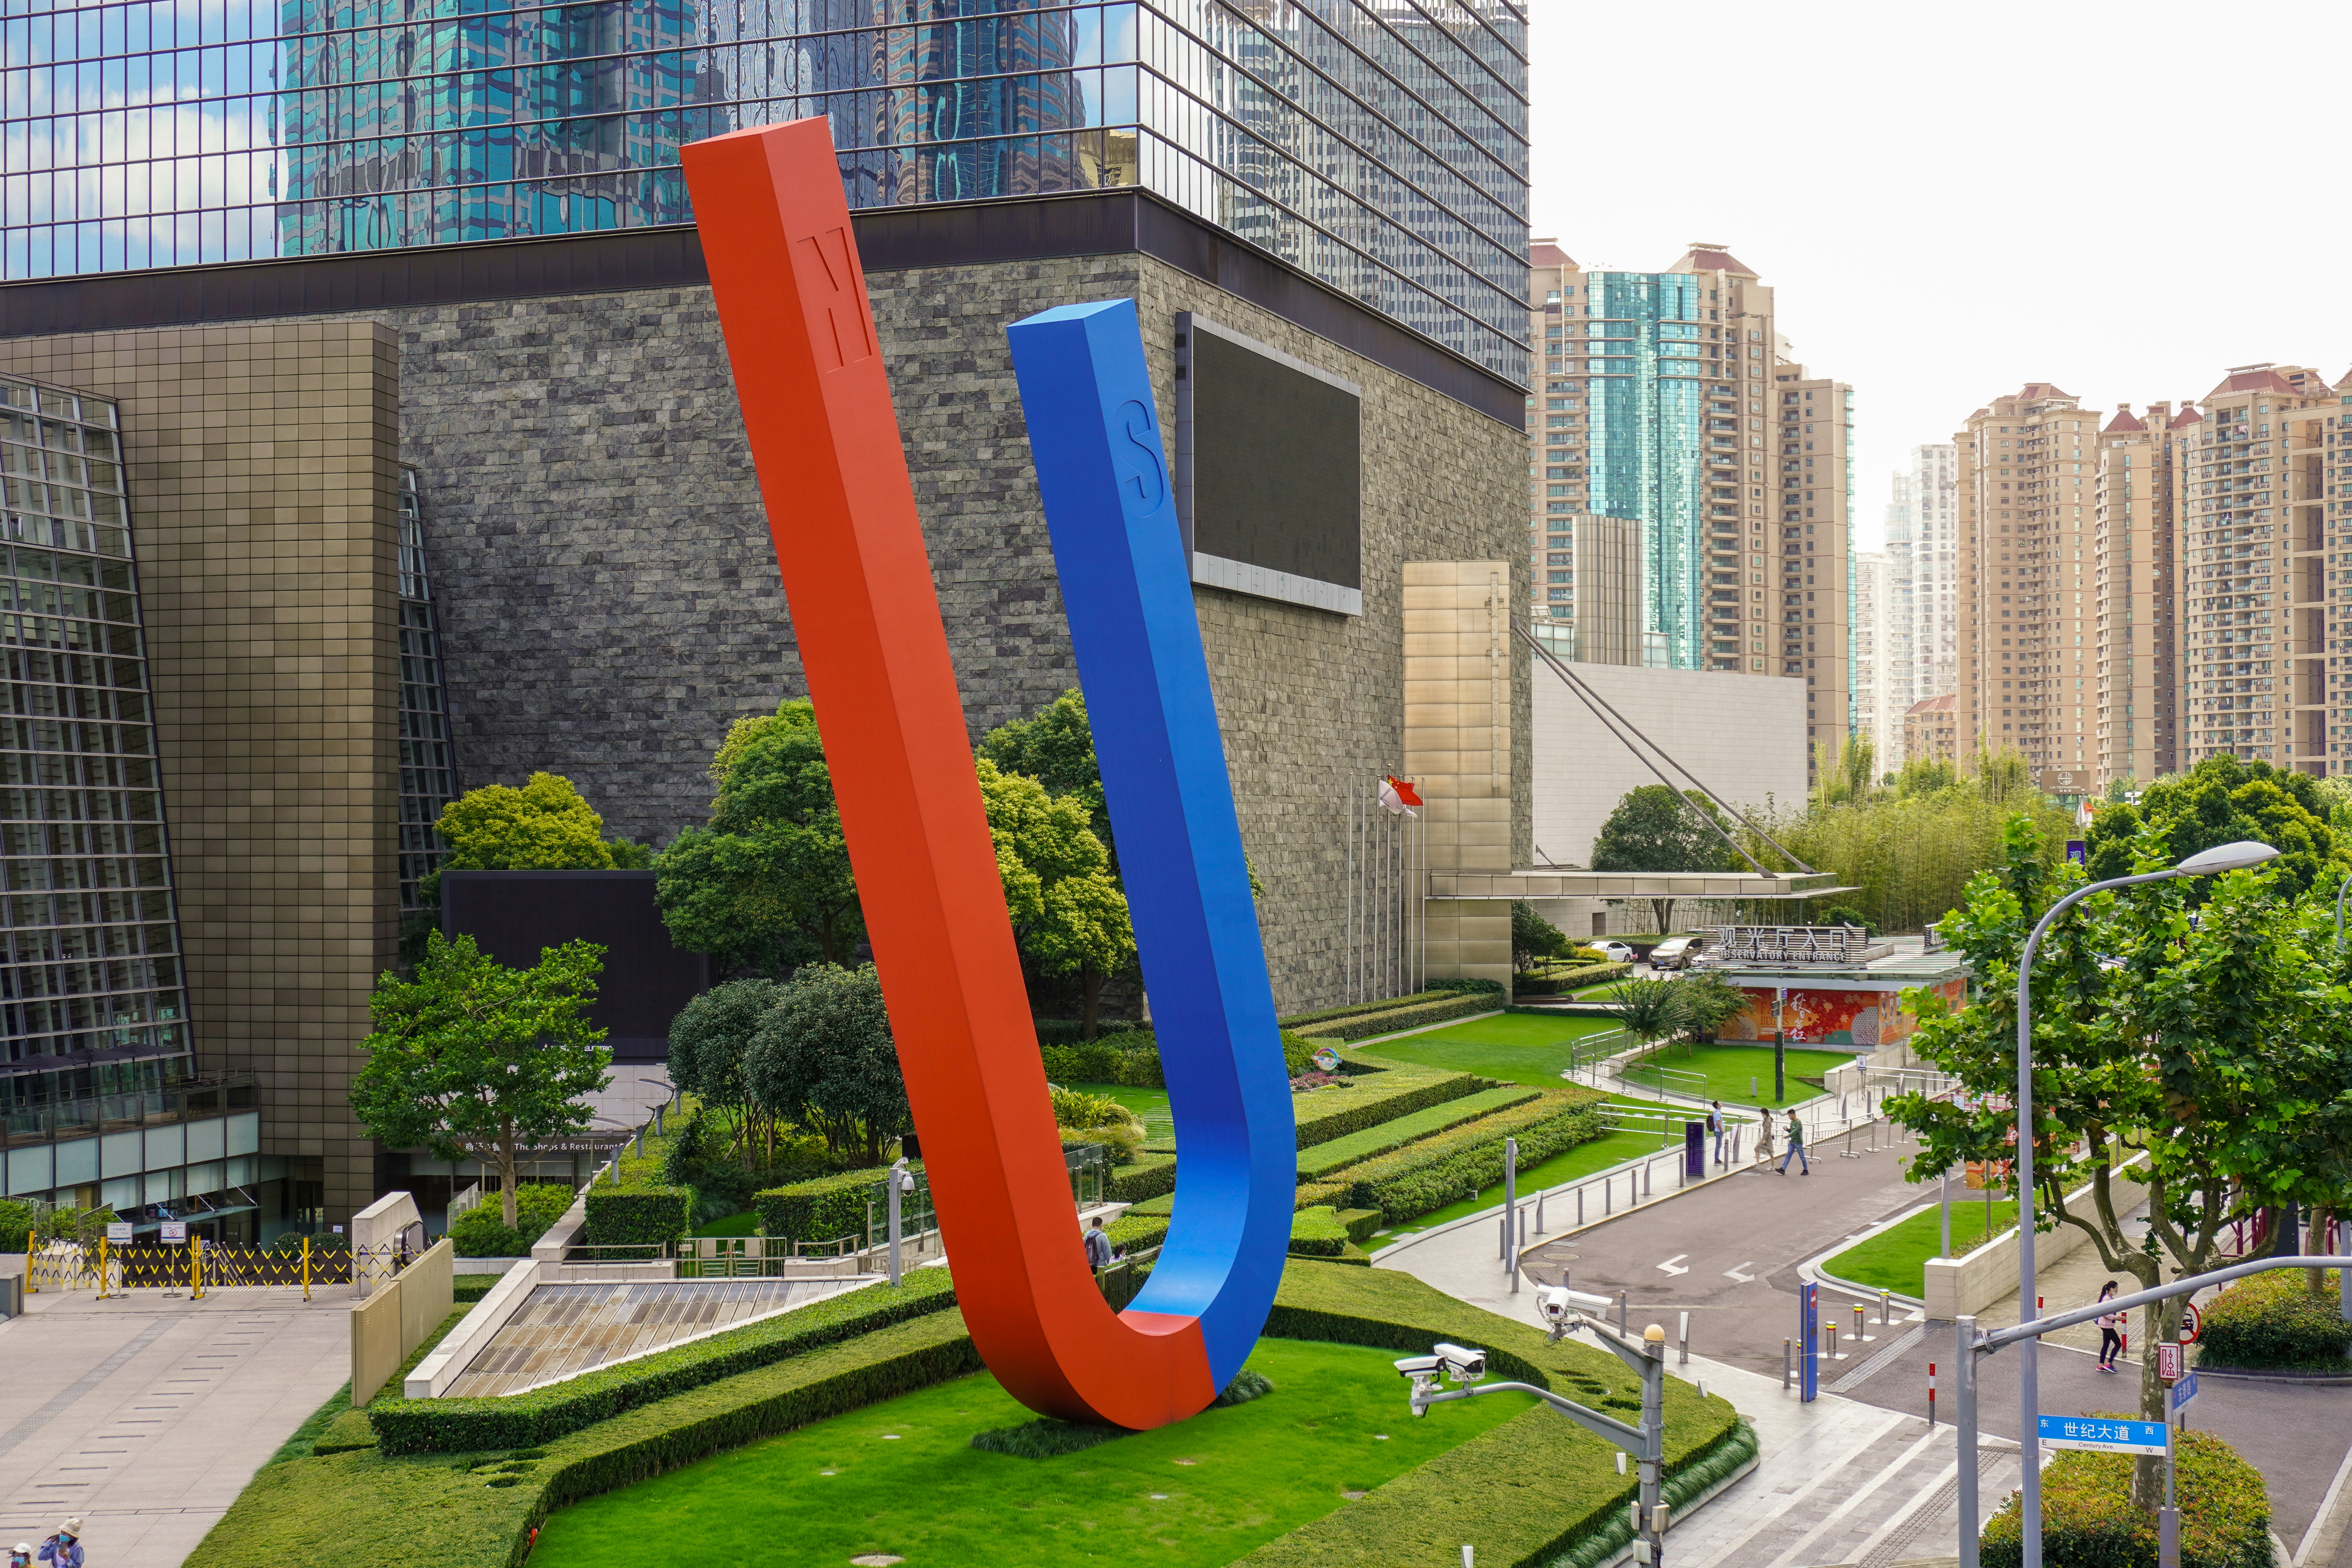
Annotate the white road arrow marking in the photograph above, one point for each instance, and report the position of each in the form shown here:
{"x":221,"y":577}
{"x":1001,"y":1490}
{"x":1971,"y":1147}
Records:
{"x":1669,"y":1265}
{"x":1736,"y":1274}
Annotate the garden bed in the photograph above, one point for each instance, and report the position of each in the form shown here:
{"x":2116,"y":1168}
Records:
{"x":2271,"y":1323}
{"x":2087,"y":1515}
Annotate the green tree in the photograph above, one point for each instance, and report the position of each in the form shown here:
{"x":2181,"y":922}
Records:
{"x":709,"y":1046}
{"x":1056,"y":748}
{"x":767,"y":884}
{"x":1533,"y":937}
{"x":1651,"y":1010}
{"x":1709,"y":1001}
{"x":824,"y":1057}
{"x":474,"y":1060}
{"x":2152,"y":1039}
{"x":2220,"y":801}
{"x":543,"y":826}
{"x":1068,"y":915}
{"x":1655,"y":829}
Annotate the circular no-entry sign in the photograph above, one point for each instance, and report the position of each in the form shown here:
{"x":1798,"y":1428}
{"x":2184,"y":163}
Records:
{"x":2192,"y":1322}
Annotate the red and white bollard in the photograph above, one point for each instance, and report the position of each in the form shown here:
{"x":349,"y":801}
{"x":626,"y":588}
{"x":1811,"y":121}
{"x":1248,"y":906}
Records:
{"x":1931,"y":1394}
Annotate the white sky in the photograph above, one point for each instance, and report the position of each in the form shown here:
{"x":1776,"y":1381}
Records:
{"x":1952,"y":201}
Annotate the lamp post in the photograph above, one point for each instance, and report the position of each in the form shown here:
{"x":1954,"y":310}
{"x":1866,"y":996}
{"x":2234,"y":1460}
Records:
{"x":2347,"y":888}
{"x":2206,"y":863}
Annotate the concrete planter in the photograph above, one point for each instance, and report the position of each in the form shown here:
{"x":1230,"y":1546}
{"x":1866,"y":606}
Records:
{"x":1970,"y":1284}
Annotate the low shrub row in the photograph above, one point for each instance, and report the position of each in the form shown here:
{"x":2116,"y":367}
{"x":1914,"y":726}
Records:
{"x":2087,"y":1514}
{"x":823,"y":1208}
{"x":1300,"y":1020}
{"x":1151,"y":1176}
{"x":1132,"y":1232}
{"x":1437,"y":1170}
{"x":1364,"y":1026}
{"x":1131,"y":1058}
{"x":1567,"y":979}
{"x":1370,"y":1099}
{"x":1324,"y":1159}
{"x":482,"y":1231}
{"x":522,"y":1420}
{"x":2275,"y":1320}
{"x":647,"y":1218}
{"x":1576,"y":1511}
{"x":1317,"y":1232}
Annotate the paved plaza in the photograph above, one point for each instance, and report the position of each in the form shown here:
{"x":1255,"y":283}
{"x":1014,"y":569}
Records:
{"x":147,"y":1416}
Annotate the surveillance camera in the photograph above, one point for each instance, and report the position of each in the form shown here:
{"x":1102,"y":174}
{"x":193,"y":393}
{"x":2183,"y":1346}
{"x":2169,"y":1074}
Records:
{"x":1462,"y":1365}
{"x":1552,"y":1302}
{"x":1418,"y":1366}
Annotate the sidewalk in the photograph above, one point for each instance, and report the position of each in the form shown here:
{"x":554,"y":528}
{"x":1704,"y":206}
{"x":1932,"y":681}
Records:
{"x":147,"y":1416}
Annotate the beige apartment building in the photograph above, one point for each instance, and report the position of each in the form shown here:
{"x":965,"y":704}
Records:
{"x":2137,"y":559}
{"x":1672,"y":399}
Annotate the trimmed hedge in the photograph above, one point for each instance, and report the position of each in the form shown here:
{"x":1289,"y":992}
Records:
{"x":482,"y":1231}
{"x":1310,"y":1194}
{"x":823,"y":1208}
{"x":1437,"y":1170}
{"x":1576,"y":1507}
{"x":1373,"y":1097}
{"x":1317,"y":1232}
{"x":1133,"y":1232}
{"x":2273,"y":1320}
{"x":1557,"y":985}
{"x":649,"y":1217}
{"x":523,"y":1420}
{"x":1364,"y":1026}
{"x":1151,"y":1176}
{"x":1300,"y":1020}
{"x":1130,"y":1057}
{"x":1323,"y":1159}
{"x":2087,"y":1515}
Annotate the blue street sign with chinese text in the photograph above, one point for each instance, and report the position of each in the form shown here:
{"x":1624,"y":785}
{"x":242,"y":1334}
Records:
{"x":2183,"y":1391}
{"x":2103,"y":1434}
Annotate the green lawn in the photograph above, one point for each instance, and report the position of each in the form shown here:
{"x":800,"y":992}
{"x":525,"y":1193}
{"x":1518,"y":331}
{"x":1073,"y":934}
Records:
{"x":1726,"y":1071}
{"x":1516,"y":1048}
{"x":745,"y":1224}
{"x":1897,"y":1259}
{"x":901,"y":1477}
{"x":1149,"y":1104}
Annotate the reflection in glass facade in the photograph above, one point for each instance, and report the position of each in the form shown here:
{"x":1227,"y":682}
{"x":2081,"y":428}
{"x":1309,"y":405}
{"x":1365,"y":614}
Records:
{"x":91,"y":998}
{"x":428,"y":766}
{"x":1380,"y":146}
{"x":1646,"y":400}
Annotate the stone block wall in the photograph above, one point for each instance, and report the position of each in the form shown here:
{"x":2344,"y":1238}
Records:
{"x":263,"y":465}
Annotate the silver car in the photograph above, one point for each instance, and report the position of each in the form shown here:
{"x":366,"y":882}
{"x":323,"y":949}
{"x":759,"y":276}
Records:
{"x":1677,"y":951}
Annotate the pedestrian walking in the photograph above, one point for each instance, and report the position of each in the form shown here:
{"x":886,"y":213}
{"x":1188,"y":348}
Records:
{"x":21,"y":1555}
{"x":1763,"y":1136}
{"x":1796,"y":1135}
{"x":63,"y":1548}
{"x":2111,"y":1331}
{"x":1716,"y":1123}
{"x":1098,"y":1253}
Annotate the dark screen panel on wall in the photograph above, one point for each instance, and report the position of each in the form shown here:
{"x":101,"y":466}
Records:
{"x":1269,"y":468}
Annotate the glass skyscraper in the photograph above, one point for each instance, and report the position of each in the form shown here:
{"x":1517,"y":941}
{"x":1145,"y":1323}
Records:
{"x":1379,"y":145}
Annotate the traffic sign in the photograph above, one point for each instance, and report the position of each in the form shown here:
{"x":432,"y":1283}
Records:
{"x":118,"y":1231}
{"x":2192,"y":1322}
{"x":2183,"y":1391}
{"x":2168,"y":1363}
{"x":175,"y":1232}
{"x":2103,"y":1435}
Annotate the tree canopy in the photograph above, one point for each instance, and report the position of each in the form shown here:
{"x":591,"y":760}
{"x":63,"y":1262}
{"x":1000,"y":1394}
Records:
{"x":545,"y":826}
{"x":1655,"y":829}
{"x":1068,"y":915}
{"x":824,"y":1057}
{"x":709,"y":1048}
{"x":2220,"y":801}
{"x":767,"y":884}
{"x":1533,"y":937}
{"x":1056,"y":747}
{"x":473,"y":1059}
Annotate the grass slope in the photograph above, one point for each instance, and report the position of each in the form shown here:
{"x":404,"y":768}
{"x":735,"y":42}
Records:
{"x":902,"y":1477}
{"x":1897,"y":1259}
{"x":1726,"y":1072}
{"x":1514,"y":1048}
{"x":1323,"y":1159}
{"x":1581,"y":1161}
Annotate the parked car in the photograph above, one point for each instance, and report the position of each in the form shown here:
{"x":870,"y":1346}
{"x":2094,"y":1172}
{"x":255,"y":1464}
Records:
{"x":1614,"y":952}
{"x":1677,"y":951}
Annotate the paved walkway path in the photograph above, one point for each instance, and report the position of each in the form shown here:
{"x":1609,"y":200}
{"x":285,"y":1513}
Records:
{"x":147,"y":1416}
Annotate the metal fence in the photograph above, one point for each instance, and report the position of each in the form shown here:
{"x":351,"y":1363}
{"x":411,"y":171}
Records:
{"x":193,"y":1268}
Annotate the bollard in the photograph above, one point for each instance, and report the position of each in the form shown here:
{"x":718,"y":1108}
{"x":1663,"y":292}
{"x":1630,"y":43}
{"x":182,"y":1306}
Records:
{"x":1608,"y":1185}
{"x":1685,"y":1340}
{"x":1579,"y":1208}
{"x":1831,"y":1328}
{"x":1645,"y":1176}
{"x":1751,"y":1086}
{"x":1621,"y":1311}
{"x":195,"y":1269}
{"x":1883,"y":1298}
{"x":1860,"y":1327}
{"x":306,"y":1269}
{"x":1785,"y":1358}
{"x":1931,"y":1395}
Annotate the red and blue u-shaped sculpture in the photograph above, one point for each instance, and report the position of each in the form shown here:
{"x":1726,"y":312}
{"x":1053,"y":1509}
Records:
{"x":817,"y":408}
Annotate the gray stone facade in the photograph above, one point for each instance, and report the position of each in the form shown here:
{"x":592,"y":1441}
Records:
{"x":610,"y":593}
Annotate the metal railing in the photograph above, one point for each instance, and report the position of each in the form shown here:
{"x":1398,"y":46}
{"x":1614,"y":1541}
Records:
{"x":193,"y":1100}
{"x":192,"y":1267}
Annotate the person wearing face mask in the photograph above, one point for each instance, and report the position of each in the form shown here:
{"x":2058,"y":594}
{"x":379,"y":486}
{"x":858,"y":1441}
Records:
{"x":21,"y":1555}
{"x":63,"y":1549}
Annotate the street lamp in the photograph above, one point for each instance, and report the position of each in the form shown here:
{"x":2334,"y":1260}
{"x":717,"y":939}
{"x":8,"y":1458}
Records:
{"x":2205,"y":863}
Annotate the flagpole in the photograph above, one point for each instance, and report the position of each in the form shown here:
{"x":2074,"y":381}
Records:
{"x":1347,"y":832}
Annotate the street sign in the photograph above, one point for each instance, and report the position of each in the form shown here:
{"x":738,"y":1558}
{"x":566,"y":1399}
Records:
{"x":2183,"y":1391}
{"x":1809,"y":1306}
{"x":2168,"y":1363}
{"x":118,"y":1231}
{"x":2192,"y":1322}
{"x":2077,"y":851}
{"x":175,"y":1232}
{"x":2103,"y":1435}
